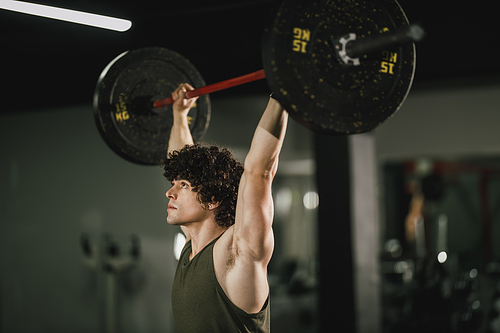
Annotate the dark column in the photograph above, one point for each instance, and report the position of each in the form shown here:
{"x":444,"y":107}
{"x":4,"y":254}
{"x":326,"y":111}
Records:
{"x":336,"y":291}
{"x":349,"y":292}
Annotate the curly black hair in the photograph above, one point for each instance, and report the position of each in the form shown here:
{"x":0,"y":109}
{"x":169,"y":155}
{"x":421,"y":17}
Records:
{"x":213,"y":173}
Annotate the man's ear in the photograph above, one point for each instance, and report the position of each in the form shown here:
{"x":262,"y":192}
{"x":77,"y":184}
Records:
{"x":213,"y":205}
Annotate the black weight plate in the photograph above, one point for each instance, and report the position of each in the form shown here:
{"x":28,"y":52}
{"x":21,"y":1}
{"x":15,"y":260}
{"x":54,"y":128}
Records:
{"x":123,"y":100}
{"x":306,"y":74}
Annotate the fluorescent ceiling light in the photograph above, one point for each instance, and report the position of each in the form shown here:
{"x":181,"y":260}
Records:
{"x":68,"y":15}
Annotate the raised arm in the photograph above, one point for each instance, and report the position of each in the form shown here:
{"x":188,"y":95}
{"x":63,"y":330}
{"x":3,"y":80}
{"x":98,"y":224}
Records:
{"x":180,"y":135}
{"x":254,"y":209}
{"x":267,"y":141}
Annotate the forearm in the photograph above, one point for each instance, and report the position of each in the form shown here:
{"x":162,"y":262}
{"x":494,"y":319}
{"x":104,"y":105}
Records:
{"x":268,"y":140}
{"x":180,"y":135}
{"x":274,"y":119}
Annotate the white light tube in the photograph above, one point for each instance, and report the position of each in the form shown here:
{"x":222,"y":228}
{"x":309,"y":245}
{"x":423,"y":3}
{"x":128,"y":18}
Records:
{"x":68,"y":15}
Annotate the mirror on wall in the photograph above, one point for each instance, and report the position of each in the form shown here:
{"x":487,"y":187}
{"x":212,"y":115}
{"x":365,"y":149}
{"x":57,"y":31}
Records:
{"x":441,"y":245}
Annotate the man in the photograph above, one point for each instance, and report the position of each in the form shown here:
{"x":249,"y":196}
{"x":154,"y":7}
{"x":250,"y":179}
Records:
{"x":221,"y":280}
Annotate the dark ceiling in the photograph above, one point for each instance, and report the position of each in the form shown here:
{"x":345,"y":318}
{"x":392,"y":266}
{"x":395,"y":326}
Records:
{"x":47,"y":63}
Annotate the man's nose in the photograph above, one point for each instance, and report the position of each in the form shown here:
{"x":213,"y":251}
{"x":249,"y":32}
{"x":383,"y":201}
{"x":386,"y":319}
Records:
{"x":170,"y":193}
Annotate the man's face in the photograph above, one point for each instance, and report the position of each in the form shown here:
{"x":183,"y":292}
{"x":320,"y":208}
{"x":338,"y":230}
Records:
{"x":183,"y":207}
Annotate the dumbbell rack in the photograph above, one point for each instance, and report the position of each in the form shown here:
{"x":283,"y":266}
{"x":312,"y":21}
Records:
{"x":105,"y":259}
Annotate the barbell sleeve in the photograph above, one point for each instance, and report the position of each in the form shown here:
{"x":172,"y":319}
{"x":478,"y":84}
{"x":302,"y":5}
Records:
{"x":254,"y":76}
{"x":405,"y":35}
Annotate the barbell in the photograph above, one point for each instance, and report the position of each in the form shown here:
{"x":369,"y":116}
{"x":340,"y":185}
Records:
{"x":338,"y":67}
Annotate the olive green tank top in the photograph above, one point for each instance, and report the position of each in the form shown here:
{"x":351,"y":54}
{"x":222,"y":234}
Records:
{"x":199,"y":303}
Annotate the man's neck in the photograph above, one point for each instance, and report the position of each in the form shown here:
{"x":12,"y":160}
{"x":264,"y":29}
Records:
{"x":202,"y":235}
